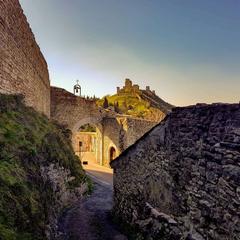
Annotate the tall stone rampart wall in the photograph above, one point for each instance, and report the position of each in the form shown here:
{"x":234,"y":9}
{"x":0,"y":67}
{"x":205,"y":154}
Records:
{"x":23,"y":69}
{"x":182,"y":179}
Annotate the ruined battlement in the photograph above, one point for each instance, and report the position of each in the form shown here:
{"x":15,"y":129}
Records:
{"x":131,"y":88}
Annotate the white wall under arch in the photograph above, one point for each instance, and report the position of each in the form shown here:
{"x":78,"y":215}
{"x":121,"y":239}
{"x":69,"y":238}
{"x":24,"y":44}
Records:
{"x":105,"y":137}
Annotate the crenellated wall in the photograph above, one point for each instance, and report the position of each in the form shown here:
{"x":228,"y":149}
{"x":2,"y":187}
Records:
{"x":181,"y":180}
{"x":23,"y":69}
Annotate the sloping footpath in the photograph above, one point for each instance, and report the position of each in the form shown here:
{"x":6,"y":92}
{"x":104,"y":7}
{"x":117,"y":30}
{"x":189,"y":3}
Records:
{"x":91,"y":219}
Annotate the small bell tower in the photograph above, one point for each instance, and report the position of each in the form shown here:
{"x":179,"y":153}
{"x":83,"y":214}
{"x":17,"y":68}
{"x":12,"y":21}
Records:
{"x":77,"y":89}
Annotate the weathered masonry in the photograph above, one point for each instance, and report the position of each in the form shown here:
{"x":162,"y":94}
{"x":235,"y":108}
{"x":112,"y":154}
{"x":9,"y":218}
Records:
{"x":114,"y":132}
{"x":182,"y":179}
{"x":23,"y":69}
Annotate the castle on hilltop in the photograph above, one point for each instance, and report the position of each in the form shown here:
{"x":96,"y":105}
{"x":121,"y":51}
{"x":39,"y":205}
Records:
{"x":130,"y":88}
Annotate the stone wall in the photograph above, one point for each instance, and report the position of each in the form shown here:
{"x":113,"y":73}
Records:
{"x":136,"y":128}
{"x":111,"y":138}
{"x":182,"y":179}
{"x":23,"y":69}
{"x":73,"y":111}
{"x":121,"y":132}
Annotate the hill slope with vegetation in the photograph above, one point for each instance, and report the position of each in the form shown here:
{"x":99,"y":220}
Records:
{"x":39,"y":172}
{"x":142,"y":106}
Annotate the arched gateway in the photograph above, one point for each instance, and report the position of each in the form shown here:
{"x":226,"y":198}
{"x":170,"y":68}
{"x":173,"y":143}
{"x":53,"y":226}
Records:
{"x":114,"y":132}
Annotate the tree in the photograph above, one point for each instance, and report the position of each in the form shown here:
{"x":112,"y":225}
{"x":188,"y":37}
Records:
{"x":125,"y":106}
{"x":116,"y":107}
{"x":105,"y":103}
{"x":130,"y":107}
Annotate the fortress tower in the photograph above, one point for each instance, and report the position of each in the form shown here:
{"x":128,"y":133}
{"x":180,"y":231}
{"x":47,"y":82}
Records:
{"x":128,"y":83}
{"x":129,"y":87}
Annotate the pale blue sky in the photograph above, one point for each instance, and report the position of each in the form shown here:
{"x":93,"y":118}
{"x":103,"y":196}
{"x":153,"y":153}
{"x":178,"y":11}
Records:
{"x":187,"y":50}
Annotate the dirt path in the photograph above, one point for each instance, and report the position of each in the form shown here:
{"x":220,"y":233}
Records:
{"x":90,"y":219}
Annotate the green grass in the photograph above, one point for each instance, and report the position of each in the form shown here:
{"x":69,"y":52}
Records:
{"x":130,"y":104}
{"x":28,"y":141}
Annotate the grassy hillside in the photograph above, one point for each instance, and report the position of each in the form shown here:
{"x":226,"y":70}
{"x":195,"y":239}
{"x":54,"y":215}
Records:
{"x":132,"y":104}
{"x":28,"y":143}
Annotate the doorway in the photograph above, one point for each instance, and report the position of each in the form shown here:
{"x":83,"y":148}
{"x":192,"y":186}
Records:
{"x":112,"y":153}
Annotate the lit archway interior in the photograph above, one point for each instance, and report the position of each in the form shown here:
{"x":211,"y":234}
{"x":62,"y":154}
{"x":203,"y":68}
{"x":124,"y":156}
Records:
{"x":87,"y":141}
{"x":95,"y":143}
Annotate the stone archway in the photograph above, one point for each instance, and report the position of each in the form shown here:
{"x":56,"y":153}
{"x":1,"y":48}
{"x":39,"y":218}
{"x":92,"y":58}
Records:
{"x":115,"y":130}
{"x":107,"y":137}
{"x":95,"y":156}
{"x":112,"y":153}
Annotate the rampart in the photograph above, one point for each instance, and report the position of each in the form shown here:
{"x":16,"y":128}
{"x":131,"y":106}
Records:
{"x":23,"y":69}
